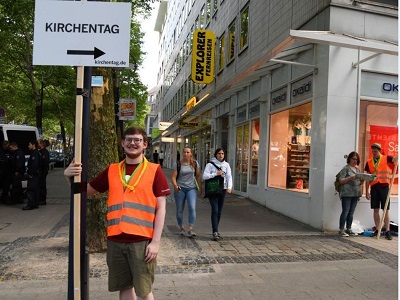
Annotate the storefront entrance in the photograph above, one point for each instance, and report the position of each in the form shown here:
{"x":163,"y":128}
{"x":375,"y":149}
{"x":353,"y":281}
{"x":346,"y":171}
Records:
{"x":242,"y":158}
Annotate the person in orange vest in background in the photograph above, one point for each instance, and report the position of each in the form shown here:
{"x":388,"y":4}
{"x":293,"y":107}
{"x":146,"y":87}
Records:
{"x":135,"y":216}
{"x":379,"y":165}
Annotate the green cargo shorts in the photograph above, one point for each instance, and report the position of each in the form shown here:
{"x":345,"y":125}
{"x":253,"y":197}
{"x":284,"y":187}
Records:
{"x":127,"y":268}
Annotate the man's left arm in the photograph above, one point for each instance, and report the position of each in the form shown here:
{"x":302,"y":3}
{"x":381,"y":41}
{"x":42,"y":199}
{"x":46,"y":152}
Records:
{"x":154,"y":247}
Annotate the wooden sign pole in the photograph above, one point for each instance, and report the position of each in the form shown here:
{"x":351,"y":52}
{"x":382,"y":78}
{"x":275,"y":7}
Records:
{"x":387,"y":201}
{"x":77,"y":179}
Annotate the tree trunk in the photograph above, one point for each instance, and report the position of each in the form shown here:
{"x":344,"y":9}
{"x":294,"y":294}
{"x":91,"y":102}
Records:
{"x":102,"y":152}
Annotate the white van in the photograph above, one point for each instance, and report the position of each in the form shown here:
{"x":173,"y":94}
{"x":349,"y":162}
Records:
{"x":20,"y":134}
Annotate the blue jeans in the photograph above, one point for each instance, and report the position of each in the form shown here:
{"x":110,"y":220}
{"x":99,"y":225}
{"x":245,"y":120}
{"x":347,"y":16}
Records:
{"x":217,"y":203}
{"x":348,"y":207}
{"x":180,"y":198}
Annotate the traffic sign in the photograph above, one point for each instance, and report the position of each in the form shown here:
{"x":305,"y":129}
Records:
{"x":82,"y":33}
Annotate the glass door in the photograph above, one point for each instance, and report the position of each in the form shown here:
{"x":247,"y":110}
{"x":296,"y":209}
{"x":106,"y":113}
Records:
{"x":242,"y":158}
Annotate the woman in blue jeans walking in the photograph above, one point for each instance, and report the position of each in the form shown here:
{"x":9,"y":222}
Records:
{"x":217,"y":203}
{"x":350,"y":193}
{"x":185,"y":177}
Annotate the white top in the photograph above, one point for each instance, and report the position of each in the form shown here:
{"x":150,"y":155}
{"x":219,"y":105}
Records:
{"x":210,"y":171}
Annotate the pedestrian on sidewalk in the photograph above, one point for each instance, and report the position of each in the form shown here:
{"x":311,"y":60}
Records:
{"x":350,"y":193}
{"x":33,"y":170}
{"x":379,"y":165}
{"x":5,"y":171}
{"x":218,"y":167}
{"x":135,"y":215}
{"x":161,"y":158}
{"x":155,"y":157}
{"x":18,"y":166}
{"x":186,"y":176}
{"x":44,"y":170}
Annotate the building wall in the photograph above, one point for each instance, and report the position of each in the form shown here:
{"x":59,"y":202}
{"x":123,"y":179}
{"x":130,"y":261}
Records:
{"x":335,"y":126}
{"x":335,"y":103}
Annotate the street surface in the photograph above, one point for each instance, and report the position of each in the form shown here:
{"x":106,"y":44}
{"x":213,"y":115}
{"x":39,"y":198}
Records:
{"x":263,"y":255}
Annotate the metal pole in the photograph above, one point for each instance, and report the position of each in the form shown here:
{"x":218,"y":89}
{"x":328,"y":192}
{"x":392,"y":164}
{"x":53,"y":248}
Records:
{"x":85,"y":147}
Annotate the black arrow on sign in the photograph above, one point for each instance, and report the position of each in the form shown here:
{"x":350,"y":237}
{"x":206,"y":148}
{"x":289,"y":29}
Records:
{"x":96,"y":52}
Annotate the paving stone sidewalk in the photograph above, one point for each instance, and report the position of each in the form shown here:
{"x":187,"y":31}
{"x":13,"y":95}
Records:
{"x":281,"y":259}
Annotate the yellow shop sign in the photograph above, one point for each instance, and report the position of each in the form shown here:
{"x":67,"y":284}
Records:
{"x":203,"y":56}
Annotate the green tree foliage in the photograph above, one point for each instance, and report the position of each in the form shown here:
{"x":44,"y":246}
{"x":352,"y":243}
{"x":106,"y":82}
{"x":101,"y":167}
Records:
{"x":28,"y":92}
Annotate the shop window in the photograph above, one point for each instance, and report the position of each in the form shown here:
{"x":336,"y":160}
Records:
{"x":244,"y":28}
{"x":208,"y":12}
{"x":215,"y":9}
{"x":289,"y":150}
{"x":378,"y":125}
{"x":202,"y":17}
{"x":255,"y":140}
{"x":221,"y":56}
{"x":242,"y":158}
{"x":231,"y":52}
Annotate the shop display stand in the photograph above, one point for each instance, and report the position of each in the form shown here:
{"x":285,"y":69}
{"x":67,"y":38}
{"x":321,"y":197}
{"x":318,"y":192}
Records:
{"x":298,"y":164}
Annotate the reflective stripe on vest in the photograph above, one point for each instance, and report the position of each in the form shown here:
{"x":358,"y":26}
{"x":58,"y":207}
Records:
{"x":131,"y":205}
{"x":383,"y":172}
{"x":130,"y":220}
{"x":131,"y":212}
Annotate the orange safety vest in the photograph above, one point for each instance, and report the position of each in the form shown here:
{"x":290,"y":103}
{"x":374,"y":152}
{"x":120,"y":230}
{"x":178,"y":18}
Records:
{"x":383,"y":172}
{"x":131,"y":212}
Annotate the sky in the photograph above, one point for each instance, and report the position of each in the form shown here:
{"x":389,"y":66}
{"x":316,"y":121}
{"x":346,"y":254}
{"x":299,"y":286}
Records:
{"x":148,"y":72}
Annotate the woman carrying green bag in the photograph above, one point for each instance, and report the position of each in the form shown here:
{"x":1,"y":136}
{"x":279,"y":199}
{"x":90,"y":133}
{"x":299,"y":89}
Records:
{"x":218,"y":167}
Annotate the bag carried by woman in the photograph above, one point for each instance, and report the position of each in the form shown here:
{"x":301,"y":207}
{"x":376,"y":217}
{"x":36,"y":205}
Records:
{"x":214,"y":186}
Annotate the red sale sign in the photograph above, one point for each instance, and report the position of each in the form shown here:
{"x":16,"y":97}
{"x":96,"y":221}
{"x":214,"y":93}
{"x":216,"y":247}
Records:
{"x":387,"y":136}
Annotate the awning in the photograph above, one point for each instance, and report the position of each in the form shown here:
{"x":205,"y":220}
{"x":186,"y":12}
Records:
{"x":345,"y":40}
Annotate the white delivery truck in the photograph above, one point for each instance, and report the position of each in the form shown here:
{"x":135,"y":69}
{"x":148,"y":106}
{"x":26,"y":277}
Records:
{"x":20,"y":134}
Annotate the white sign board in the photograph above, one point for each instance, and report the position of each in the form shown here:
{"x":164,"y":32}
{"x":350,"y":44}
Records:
{"x":82,"y":33}
{"x":164,"y":125}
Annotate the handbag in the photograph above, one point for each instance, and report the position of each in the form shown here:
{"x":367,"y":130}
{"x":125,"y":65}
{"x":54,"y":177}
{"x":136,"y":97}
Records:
{"x":214,"y":187}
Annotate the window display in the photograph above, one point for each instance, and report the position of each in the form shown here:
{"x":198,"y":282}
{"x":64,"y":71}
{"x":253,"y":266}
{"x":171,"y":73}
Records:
{"x":378,"y":125}
{"x":255,"y":138}
{"x":289,"y":151}
{"x":242,"y":157}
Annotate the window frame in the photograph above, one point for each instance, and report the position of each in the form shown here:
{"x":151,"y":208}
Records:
{"x":231,"y":42}
{"x":243,"y":46}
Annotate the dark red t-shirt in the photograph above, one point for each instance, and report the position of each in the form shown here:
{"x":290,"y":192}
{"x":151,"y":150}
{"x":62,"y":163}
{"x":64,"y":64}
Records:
{"x":160,"y":188}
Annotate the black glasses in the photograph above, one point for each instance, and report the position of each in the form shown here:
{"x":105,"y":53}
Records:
{"x":137,"y":141}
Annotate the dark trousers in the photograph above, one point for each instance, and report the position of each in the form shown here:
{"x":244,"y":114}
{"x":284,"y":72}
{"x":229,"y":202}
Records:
{"x":16,"y":189}
{"x":32,"y":191}
{"x":217,"y":203}
{"x":5,"y":186}
{"x":161,"y":162}
{"x":348,"y":207}
{"x":43,"y":187}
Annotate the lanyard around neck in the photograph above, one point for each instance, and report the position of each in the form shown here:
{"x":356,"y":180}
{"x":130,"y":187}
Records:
{"x":122,"y":173}
{"x":376,"y":164}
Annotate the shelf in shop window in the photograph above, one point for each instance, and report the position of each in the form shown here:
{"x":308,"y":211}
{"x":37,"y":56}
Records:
{"x":299,"y":167}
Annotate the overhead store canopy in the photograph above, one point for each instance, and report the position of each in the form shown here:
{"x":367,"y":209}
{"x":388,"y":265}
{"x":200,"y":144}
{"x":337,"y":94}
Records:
{"x":345,"y":40}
